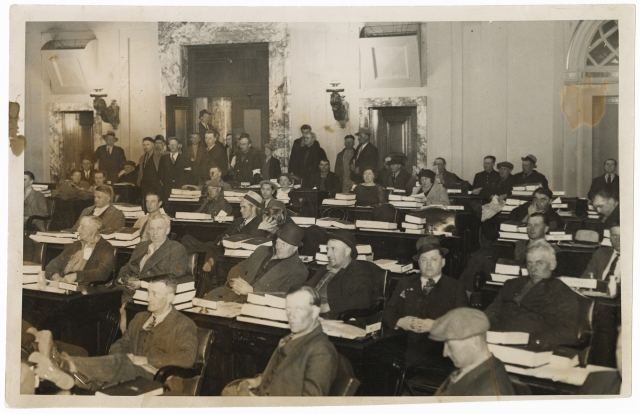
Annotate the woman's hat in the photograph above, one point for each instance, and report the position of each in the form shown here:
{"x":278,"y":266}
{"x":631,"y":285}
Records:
{"x":427,"y":173}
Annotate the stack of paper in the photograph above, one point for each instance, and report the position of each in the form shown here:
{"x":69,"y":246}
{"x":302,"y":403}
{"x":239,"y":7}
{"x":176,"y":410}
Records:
{"x":42,"y":188}
{"x":342,"y":199}
{"x":393,"y":265}
{"x":499,"y":279}
{"x":522,"y":357}
{"x":513,"y":227}
{"x":54,"y":237}
{"x":197,"y":217}
{"x":454,"y":191}
{"x":574,"y":376}
{"x":508,"y":338}
{"x":414,"y":203}
{"x":185,"y":292}
{"x":375,"y":225}
{"x":223,"y":309}
{"x":580,"y":283}
{"x":525,"y":190}
{"x":192,"y":196}
{"x":398,"y":197}
{"x":593,"y":214}
{"x":508,"y":267}
{"x":340,"y":329}
{"x":234,"y":196}
{"x":264,"y":309}
{"x":558,"y":204}
{"x":335,"y":223}
{"x":242,"y":245}
{"x":512,"y":203}
{"x":558,"y":236}
{"x":30,"y":273}
{"x":304,"y":221}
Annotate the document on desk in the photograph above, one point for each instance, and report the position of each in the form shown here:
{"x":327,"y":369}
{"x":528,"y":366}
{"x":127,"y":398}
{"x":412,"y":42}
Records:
{"x":517,"y":356}
{"x":508,"y":338}
{"x":573,"y":376}
{"x":341,"y":329}
{"x":223,"y":309}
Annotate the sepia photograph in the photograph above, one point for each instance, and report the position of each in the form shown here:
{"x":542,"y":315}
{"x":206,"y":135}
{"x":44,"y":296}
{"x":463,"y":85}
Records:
{"x":389,"y":205}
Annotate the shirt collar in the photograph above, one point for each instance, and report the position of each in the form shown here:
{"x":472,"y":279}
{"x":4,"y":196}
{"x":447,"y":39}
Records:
{"x":423,"y":280}
{"x":97,"y":211}
{"x":160,"y":318}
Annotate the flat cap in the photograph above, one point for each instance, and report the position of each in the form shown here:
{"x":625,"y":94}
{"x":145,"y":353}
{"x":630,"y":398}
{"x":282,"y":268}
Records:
{"x":505,"y":164}
{"x":459,"y":323}
{"x":215,"y":184}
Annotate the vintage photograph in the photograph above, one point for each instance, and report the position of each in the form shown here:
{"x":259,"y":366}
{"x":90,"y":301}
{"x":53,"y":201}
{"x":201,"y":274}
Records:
{"x":390,"y":203}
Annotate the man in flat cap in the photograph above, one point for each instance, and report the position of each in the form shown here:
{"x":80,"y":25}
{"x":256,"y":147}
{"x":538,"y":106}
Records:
{"x":528,"y":175}
{"x":271,"y":166}
{"x":420,"y":299}
{"x":215,"y":201}
{"x":344,"y":283}
{"x":396,"y":176}
{"x":272,"y":269}
{"x":478,"y":373}
{"x":539,"y":304}
{"x":128,"y":174}
{"x":366,"y":155}
{"x":110,"y":158}
{"x":323,"y":179}
{"x":488,"y":177}
{"x":541,"y":203}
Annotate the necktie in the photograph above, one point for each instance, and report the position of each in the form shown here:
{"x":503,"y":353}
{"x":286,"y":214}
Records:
{"x":428,"y":287}
{"x":109,"y":150}
{"x":146,"y":158}
{"x":173,"y":157}
{"x":612,"y":268}
{"x":608,"y":179}
{"x":152,"y":323}
{"x":241,"y":226}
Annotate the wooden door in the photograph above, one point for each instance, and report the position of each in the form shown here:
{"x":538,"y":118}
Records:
{"x":605,"y":136}
{"x":77,"y":139}
{"x":179,"y":115}
{"x":395,"y":130}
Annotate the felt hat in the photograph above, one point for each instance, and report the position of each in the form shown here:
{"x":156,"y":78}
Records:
{"x":347,"y":238}
{"x":505,"y":164}
{"x":459,"y":323}
{"x":253,"y":198}
{"x":273,"y":185}
{"x":427,"y":173}
{"x":531,"y":158}
{"x":427,"y":244}
{"x":131,"y":163}
{"x":396,"y":159}
{"x":212,"y":183}
{"x":113,"y":134}
{"x":365,"y":131}
{"x":291,"y":233}
{"x":204,"y":111}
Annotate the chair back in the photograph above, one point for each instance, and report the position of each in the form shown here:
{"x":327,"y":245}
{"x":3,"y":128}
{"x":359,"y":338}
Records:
{"x":345,"y":384}
{"x":335,"y":212}
{"x":116,"y":198}
{"x":379,"y":277}
{"x":385,"y":212}
{"x":192,"y":386}
{"x":51,"y":209}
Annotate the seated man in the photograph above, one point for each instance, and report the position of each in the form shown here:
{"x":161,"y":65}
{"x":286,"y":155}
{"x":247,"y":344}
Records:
{"x":267,"y":270}
{"x":215,"y":201}
{"x":448,"y":179}
{"x":529,"y":175}
{"x":539,"y":304}
{"x":606,"y":204}
{"x":73,"y":183}
{"x":99,"y":178}
{"x":305,"y":362}
{"x":111,"y":217}
{"x":35,"y":203}
{"x":90,"y":259}
{"x":344,"y":283}
{"x":479,"y":373}
{"x":154,"y":210}
{"x":268,"y":192}
{"x":129,"y":174}
{"x":488,"y":177}
{"x":273,"y":218}
{"x":541,"y":204}
{"x":158,"y":337}
{"x":396,"y":176}
{"x":484,"y":260}
{"x":418,"y":300}
{"x":501,"y":188}
{"x":323,"y":179}
{"x":605,"y":261}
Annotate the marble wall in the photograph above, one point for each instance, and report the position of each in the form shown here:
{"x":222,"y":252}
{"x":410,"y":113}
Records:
{"x":173,"y":37}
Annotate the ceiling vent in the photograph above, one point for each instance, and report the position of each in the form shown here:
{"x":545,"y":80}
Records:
{"x":71,"y":64}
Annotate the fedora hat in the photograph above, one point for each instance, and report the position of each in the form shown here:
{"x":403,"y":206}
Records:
{"x":531,"y":158}
{"x":365,"y":131}
{"x":113,"y":134}
{"x":204,"y":111}
{"x":347,"y":238}
{"x":427,"y":244}
{"x":270,"y":146}
{"x":396,"y":159}
{"x":291,"y":233}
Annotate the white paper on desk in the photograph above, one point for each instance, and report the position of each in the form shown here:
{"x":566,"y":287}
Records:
{"x":256,"y":171}
{"x":510,"y":355}
{"x":221,"y":213}
{"x":573,"y":376}
{"x":341,"y":329}
{"x":508,"y":338}
{"x":53,"y":240}
{"x":224,"y":309}
{"x":577,"y":282}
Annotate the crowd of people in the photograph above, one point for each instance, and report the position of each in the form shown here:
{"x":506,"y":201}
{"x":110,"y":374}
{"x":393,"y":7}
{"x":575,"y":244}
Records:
{"x":430,"y":306}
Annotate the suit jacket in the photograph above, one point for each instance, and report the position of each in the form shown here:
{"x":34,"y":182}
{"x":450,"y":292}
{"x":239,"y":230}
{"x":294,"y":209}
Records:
{"x":100,"y":264}
{"x":437,"y":195}
{"x":533,"y":178}
{"x":174,"y":341}
{"x":487,"y":379}
{"x":600,"y":183}
{"x":404,"y":180}
{"x":148,"y":175}
{"x":215,"y":157}
{"x":274,"y":169}
{"x":202,"y":130}
{"x":35,"y":205}
{"x":498,"y":188}
{"x":484,"y":179}
{"x":614,"y":218}
{"x":91,"y":175}
{"x":278,"y":279}
{"x":598,"y":263}
{"x":350,"y":288}
{"x":111,"y":163}
{"x":332,"y":183}
{"x":169,"y":259}
{"x":213,"y":207}
{"x":548,"y":312}
{"x":172,"y":174}
{"x":339,"y":165}
{"x":520,"y":212}
{"x":305,"y":366}
{"x":409,"y":300}
{"x":368,"y":158}
{"x":245,"y":164}
{"x":251,"y":229}
{"x":304,"y":160}
{"x":112,"y":218}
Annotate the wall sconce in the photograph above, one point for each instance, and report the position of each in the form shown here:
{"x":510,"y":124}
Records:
{"x":339,"y":105}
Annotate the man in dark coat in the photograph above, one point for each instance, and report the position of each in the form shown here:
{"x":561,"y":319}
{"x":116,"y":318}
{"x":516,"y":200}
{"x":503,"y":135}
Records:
{"x":305,"y":362}
{"x":396,"y":176}
{"x":204,"y":126}
{"x":528,"y":175}
{"x":128,"y":174}
{"x":608,"y":208}
{"x":194,"y":154}
{"x":539,"y":304}
{"x":609,"y":181}
{"x":343,"y":163}
{"x":541,"y":203}
{"x":247,"y":162}
{"x":214,"y":203}
{"x":488,"y":177}
{"x":479,"y":373}
{"x":366,"y":156}
{"x":605,"y":261}
{"x":172,"y":171}
{"x":419,"y":300}
{"x":110,"y":158}
{"x":111,"y":217}
{"x":271,"y":166}
{"x":344,"y":283}
{"x":323,"y":180}
{"x":448,"y":179}
{"x":212,"y":156}
{"x":149,"y":164}
{"x":502,"y":189}
{"x":306,"y":154}
{"x":87,"y":168}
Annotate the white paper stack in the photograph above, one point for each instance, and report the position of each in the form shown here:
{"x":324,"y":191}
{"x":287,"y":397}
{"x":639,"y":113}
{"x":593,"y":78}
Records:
{"x":338,"y":202}
{"x":196,"y":217}
{"x":234,"y":196}
{"x":393,"y":265}
{"x":42,"y":188}
{"x":335,"y":223}
{"x":522,"y":357}
{"x":340,"y":329}
{"x":558,"y":204}
{"x":375,"y":225}
{"x":30,"y":273}
{"x":264,"y":310}
{"x":525,"y":190}
{"x":242,"y":245}
{"x":185,"y":292}
{"x":178,"y":194}
{"x":304,"y":221}
{"x":508,"y":338}
{"x":416,"y":203}
{"x":593,"y":214}
{"x":54,"y":237}
{"x":558,"y":236}
{"x":579,"y":283}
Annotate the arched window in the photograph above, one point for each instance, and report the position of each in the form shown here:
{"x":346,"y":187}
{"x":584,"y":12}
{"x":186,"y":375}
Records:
{"x":603,"y":49}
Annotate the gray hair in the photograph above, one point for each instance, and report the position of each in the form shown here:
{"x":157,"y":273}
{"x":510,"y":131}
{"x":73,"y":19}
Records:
{"x":544,"y":247}
{"x":164,"y":218}
{"x":95,"y":222}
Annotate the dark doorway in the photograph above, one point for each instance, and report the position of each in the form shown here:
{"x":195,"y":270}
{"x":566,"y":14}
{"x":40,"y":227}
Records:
{"x":395,"y":130}
{"x":179,"y":116}
{"x":77,"y":139}
{"x":605,"y":136}
{"x":239,"y":72}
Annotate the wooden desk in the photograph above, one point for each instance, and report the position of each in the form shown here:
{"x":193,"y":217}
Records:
{"x":242,"y":350}
{"x":74,"y":318}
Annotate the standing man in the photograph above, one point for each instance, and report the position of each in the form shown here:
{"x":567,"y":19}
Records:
{"x":488,"y":177}
{"x":229,"y":147}
{"x":323,"y":180}
{"x":204,"y":126}
{"x":172,"y":169}
{"x":343,"y":162}
{"x":160,"y":145}
{"x":110,"y":158}
{"x":213,"y":156}
{"x":609,"y":181}
{"x":248,"y":161}
{"x":148,"y":177}
{"x":306,"y":153}
{"x":87,"y":168}
{"x":194,"y":153}
{"x":528,"y":175}
{"x":366,"y":156}
{"x":295,"y":163}
{"x":271,"y":166}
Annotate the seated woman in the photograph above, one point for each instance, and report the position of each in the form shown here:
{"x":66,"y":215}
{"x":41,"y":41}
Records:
{"x":90,"y":259}
{"x":369,"y":193}
{"x":286,"y":183}
{"x":432,"y":192}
